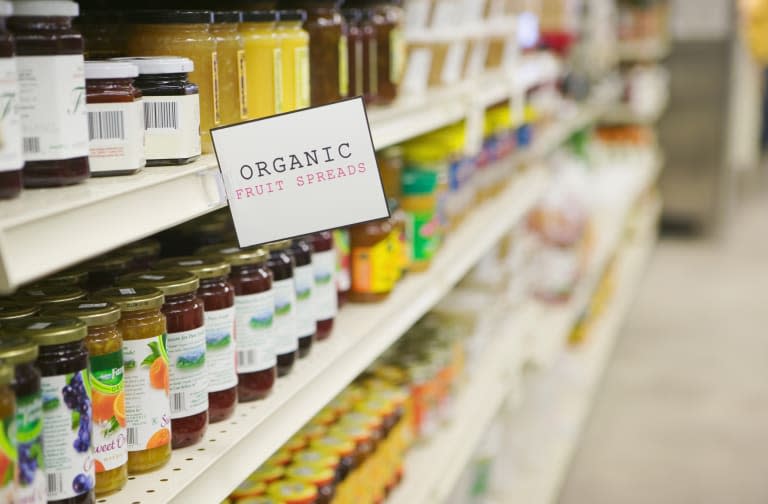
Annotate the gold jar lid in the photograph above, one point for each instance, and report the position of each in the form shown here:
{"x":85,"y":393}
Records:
{"x":170,"y":283}
{"x":15,"y":349}
{"x":47,"y":294}
{"x":131,"y":299}
{"x":235,"y":255}
{"x":73,"y":277}
{"x":202,"y":267}
{"x":141,"y":249}
{"x":48,"y":330}
{"x":109,"y":262}
{"x":6,"y":373}
{"x":12,"y":309}
{"x":93,"y":313}
{"x":278,"y":245}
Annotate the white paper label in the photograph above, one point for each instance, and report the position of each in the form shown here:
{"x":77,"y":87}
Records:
{"x":255,"y":338}
{"x":52,"y":107}
{"x":325,"y":296}
{"x":284,"y":324}
{"x":313,"y":165}
{"x":303,"y":280}
{"x":116,"y":136}
{"x":11,"y":157}
{"x":220,"y":347}
{"x":188,"y":373}
{"x":172,"y":127}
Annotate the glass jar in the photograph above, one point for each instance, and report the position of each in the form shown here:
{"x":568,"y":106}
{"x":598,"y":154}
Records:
{"x":185,"y":347}
{"x":11,"y":155}
{"x":294,"y":55}
{"x":292,"y":491}
{"x":49,"y":294}
{"x":8,"y":454}
{"x":282,"y":265}
{"x":147,"y":391}
{"x":104,"y":271}
{"x":343,"y":271}
{"x":342,"y":448}
{"x":105,"y":372}
{"x":322,"y":478}
{"x":63,"y":364}
{"x":115,"y":128}
{"x":142,"y":253}
{"x":171,"y":110}
{"x":324,"y":269}
{"x":186,"y":34}
{"x":262,"y":66}
{"x":51,"y":93}
{"x":355,"y":48}
{"x":22,"y":354}
{"x":370,"y":261}
{"x":231,"y":59}
{"x":390,"y":49}
{"x":303,"y":280}
{"x":218,"y":296}
{"x":254,"y":315}
{"x":419,"y":201}
{"x":11,"y":309}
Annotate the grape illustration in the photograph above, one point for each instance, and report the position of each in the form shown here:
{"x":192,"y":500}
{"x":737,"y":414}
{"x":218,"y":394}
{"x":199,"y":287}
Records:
{"x":82,"y":483}
{"x":76,"y":399}
{"x":27,"y":464}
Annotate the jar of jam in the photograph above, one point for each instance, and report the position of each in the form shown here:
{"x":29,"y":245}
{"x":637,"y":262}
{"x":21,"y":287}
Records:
{"x":45,"y":294}
{"x":342,"y":448}
{"x":355,"y":51}
{"x":63,"y":364}
{"x":294,"y":55}
{"x":390,"y":49}
{"x":187,"y":34}
{"x":51,"y":72}
{"x":292,"y":491}
{"x":8,"y":454}
{"x":218,"y":296}
{"x":142,"y":253}
{"x":105,"y":371}
{"x":304,"y":281}
{"x":147,"y":391}
{"x":74,"y":277}
{"x":231,"y":59}
{"x":262,"y":67}
{"x":371,"y":261}
{"x":115,"y":129}
{"x":322,"y":478}
{"x":11,"y":309}
{"x":22,"y":354}
{"x":254,"y":318}
{"x":324,"y":269}
{"x":282,"y":265}
{"x":343,"y":271}
{"x":104,"y":271}
{"x":11,"y":155}
{"x":185,"y":347}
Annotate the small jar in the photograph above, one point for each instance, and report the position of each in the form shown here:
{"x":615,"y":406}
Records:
{"x":11,"y":309}
{"x":324,"y":268}
{"x":185,"y":346}
{"x":142,"y":253}
{"x":218,"y":296}
{"x":44,"y":294}
{"x":322,"y":478}
{"x":262,"y":67}
{"x":51,"y":68}
{"x":171,"y":110}
{"x":390,"y":49}
{"x":343,"y":271}
{"x":371,"y":261}
{"x":231,"y":66}
{"x":11,"y":155}
{"x":303,"y":280}
{"x":282,"y":265}
{"x":254,"y":316}
{"x":22,"y":354}
{"x":75,"y":277}
{"x":294,"y":56}
{"x":292,"y":491}
{"x":105,"y":371}
{"x":104,"y":271}
{"x":342,"y":448}
{"x":8,"y":453}
{"x":63,"y":364}
{"x":115,"y":129}
{"x":147,"y":391}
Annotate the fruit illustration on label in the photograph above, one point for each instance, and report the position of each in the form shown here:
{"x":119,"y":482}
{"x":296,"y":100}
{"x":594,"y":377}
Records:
{"x":160,"y":438}
{"x":158,"y":367}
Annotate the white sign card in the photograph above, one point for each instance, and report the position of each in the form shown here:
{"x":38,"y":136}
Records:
{"x":300,"y":172}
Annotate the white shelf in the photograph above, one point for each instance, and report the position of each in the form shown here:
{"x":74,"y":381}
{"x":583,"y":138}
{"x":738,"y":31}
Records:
{"x":652,"y":49}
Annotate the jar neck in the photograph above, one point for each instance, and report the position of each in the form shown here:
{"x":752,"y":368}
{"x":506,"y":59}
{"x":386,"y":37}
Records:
{"x":39,"y":23}
{"x":247,"y":269}
{"x":204,"y":282}
{"x":185,"y":297}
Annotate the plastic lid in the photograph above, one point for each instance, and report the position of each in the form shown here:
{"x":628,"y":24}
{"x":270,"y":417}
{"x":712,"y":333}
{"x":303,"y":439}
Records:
{"x":154,"y":65}
{"x":308,"y":473}
{"x":170,"y":17}
{"x":170,"y":283}
{"x":259,"y":16}
{"x":16,"y":349}
{"x":93,"y":313}
{"x":73,"y":277}
{"x":202,"y":267}
{"x":292,"y":15}
{"x":293,"y":491}
{"x":48,"y":330}
{"x":249,"y":488}
{"x":267,"y":473}
{"x":46,"y":294}
{"x":317,"y":457}
{"x":227,"y":16}
{"x":6,"y":9}
{"x":110,"y":70}
{"x":6,"y":373}
{"x":11,"y":309}
{"x":234,"y":255}
{"x":132,"y":298}
{"x":46,"y":8}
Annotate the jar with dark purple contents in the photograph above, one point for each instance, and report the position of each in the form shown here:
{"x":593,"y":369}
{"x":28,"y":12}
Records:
{"x":303,"y":281}
{"x":281,"y":264}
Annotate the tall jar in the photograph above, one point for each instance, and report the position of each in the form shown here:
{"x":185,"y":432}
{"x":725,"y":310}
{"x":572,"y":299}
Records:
{"x":218,"y":296}
{"x":63,"y":364}
{"x":186,"y":34}
{"x":390,"y":49}
{"x":147,"y":391}
{"x":262,"y":63}
{"x":294,"y":55}
{"x":355,"y":46}
{"x":8,"y":453}
{"x":371,"y":261}
{"x":51,"y":93}
{"x":11,"y":155}
{"x":22,"y":353}
{"x":254,"y":319}
{"x":231,"y":55}
{"x":324,"y":268}
{"x":303,"y":280}
{"x":185,"y":346}
{"x":105,"y":371}
{"x":282,"y":265}
{"x":11,"y":309}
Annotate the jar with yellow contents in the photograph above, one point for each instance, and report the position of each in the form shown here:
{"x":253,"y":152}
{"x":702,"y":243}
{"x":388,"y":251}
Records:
{"x":263,"y":72}
{"x":294,"y":54}
{"x":231,"y":59}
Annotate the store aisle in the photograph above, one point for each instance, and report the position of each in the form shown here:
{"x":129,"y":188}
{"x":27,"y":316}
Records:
{"x":682,"y":411}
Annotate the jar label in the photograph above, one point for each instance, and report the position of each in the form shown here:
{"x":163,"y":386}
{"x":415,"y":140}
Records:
{"x":254,"y":317}
{"x":303,"y":280}
{"x":326,"y":300}
{"x":11,"y":157}
{"x":67,"y":431}
{"x":371,"y":270}
{"x":220,"y":349}
{"x":52,"y":107}
{"x":31,"y":484}
{"x":116,"y":136}
{"x":277,"y":75}
{"x":147,"y":393}
{"x":343,"y":66}
{"x":341,"y":244}
{"x":171,"y":126}
{"x":284,"y":325}
{"x":396,"y":55}
{"x":242,"y":84}
{"x":188,"y":373}
{"x":301,"y":76}
{"x":7,"y":459}
{"x":215,"y":86}
{"x":423,"y":229}
{"x":110,"y":443}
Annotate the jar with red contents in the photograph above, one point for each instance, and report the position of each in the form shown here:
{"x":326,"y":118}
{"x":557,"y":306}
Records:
{"x":185,"y":315}
{"x":282,"y":265}
{"x":303,"y":281}
{"x":254,"y":315}
{"x":324,"y":268}
{"x":292,"y":491}
{"x":322,"y":478}
{"x":218,"y":296}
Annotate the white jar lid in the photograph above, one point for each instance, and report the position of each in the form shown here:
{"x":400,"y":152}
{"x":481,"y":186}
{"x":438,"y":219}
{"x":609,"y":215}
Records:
{"x":110,"y":70}
{"x":6,"y":8}
{"x":46,"y":8}
{"x":153,"y":65}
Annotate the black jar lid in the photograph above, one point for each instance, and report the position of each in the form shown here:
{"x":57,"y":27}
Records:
{"x":259,"y":16}
{"x":169,"y":17}
{"x":220,"y":17}
{"x":292,"y":15}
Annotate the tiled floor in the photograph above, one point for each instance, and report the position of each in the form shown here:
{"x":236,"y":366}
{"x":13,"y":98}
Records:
{"x":682,"y":414}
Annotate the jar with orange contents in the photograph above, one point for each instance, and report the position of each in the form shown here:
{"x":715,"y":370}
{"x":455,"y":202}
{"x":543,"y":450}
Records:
{"x":370,"y":261}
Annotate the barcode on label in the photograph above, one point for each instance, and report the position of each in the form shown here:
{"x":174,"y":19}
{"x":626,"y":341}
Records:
{"x":31,"y":145}
{"x":106,"y":125}
{"x":246,"y":358}
{"x":55,"y":484}
{"x":161,"y":115}
{"x":178,"y":402}
{"x":133,"y":436}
